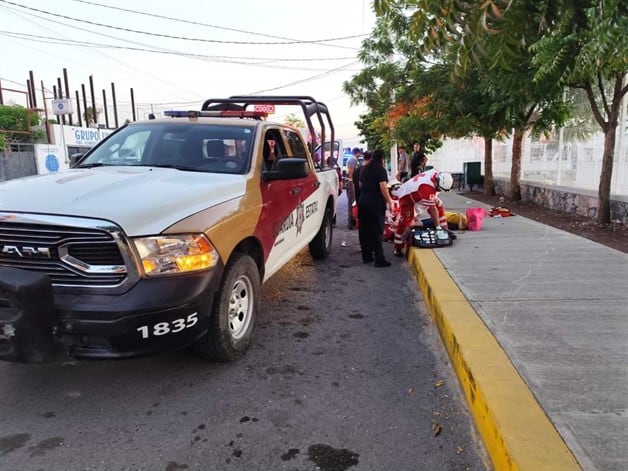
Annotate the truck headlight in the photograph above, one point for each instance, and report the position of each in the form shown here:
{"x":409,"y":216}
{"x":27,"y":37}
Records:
{"x":164,"y":255}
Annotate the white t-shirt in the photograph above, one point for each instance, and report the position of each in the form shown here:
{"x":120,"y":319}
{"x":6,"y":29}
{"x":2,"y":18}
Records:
{"x":402,"y":164}
{"x":352,"y":163}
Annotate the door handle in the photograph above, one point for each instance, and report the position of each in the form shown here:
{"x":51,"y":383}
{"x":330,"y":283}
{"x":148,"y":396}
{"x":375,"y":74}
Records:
{"x":296,"y":190}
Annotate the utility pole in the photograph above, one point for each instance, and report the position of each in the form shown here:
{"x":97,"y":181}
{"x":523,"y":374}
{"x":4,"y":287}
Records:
{"x":32,"y":89}
{"x":91,"y":88}
{"x":78,"y":109}
{"x":61,"y":96}
{"x":85,"y":105}
{"x":133,"y":105}
{"x":43,"y":97}
{"x":104,"y":100}
{"x":67,"y":92}
{"x":115,"y":104}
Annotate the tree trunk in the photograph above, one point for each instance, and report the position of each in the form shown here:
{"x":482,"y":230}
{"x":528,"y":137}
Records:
{"x":604,"y":190}
{"x":609,"y":128}
{"x":610,"y":133}
{"x":515,"y":170}
{"x":489,"y":184}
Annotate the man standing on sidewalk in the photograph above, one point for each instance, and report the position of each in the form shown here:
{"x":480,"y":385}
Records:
{"x":419,"y":159}
{"x":352,"y":164}
{"x":403,"y":165}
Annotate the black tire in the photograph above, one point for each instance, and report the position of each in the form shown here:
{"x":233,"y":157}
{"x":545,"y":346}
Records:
{"x":234,"y":312}
{"x":321,"y":244}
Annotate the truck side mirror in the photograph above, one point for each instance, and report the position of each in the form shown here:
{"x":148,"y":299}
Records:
{"x":74,"y":159}
{"x":288,"y":168}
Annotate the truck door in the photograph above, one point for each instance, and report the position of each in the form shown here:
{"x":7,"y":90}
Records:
{"x":308,"y":211}
{"x":282,"y":204}
{"x":279,"y":203}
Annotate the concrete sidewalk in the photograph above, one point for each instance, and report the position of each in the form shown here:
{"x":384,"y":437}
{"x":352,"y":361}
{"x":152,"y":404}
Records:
{"x":536,"y":322}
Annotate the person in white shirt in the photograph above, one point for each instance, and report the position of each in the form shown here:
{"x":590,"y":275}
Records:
{"x":403,"y":165}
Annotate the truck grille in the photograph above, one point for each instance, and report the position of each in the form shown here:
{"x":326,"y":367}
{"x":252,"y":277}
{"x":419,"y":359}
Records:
{"x":71,"y":256}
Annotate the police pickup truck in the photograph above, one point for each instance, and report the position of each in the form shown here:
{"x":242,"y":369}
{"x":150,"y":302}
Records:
{"x":162,"y":234}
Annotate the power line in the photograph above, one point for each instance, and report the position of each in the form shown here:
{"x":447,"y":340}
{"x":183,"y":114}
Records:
{"x":153,"y":15}
{"x":71,"y":42}
{"x":184,"y":38}
{"x":269,"y":62}
{"x":308,"y":79}
{"x":304,"y":80}
{"x":122,"y":63}
{"x":12,"y":81}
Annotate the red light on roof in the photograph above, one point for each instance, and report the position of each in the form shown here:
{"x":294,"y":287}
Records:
{"x":243,"y":114}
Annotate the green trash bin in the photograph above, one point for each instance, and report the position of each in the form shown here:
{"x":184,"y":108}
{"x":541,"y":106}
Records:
{"x":473,"y":174}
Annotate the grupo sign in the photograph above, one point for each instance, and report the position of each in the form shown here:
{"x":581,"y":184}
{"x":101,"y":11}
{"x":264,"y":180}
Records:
{"x":75,"y":136}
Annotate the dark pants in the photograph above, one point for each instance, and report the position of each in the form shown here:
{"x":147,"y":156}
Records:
{"x":371,"y":231}
{"x":350,"y":200}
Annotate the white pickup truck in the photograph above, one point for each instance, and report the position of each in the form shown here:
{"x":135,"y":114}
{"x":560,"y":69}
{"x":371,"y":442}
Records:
{"x":162,"y":234}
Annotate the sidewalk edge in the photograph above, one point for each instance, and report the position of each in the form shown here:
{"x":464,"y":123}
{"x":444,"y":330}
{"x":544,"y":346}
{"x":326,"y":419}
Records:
{"x":515,"y":430}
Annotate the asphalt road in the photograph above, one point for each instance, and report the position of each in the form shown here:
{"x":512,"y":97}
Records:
{"x":346,"y":372}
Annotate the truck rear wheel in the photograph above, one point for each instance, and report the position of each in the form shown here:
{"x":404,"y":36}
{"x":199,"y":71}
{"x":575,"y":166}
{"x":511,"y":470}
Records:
{"x":321,"y":244}
{"x":234,"y":312}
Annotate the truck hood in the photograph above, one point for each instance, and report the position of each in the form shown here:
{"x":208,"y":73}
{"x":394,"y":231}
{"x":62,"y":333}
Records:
{"x":141,"y":200}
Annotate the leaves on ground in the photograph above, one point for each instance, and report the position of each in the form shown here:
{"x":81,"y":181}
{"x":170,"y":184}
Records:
{"x":436,"y":428}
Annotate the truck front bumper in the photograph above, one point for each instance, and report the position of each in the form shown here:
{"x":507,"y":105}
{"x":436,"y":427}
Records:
{"x":37,"y":324}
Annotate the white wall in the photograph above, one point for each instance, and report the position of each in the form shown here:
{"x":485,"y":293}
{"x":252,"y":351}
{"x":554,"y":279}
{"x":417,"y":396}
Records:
{"x":576,"y":165}
{"x":50,"y":158}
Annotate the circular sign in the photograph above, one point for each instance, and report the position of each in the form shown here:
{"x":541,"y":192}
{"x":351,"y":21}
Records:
{"x":61,"y":106}
{"x":52,"y":164}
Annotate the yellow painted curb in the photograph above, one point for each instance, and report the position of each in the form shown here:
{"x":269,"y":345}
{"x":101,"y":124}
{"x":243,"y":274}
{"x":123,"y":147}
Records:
{"x":515,"y":430}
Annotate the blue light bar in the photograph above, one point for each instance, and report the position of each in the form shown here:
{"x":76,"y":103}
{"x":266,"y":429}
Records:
{"x":182,"y":114}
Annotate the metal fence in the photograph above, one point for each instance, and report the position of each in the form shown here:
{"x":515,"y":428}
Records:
{"x":17,"y":162}
{"x":571,"y":157}
{"x":576,"y":165}
{"x":572,"y":164}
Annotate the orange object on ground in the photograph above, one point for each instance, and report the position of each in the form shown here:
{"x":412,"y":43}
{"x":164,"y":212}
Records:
{"x":500,"y":212}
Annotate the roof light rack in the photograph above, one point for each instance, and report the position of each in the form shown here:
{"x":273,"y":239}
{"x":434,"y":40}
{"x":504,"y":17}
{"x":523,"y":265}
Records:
{"x":309,"y":106}
{"x":195,"y":114}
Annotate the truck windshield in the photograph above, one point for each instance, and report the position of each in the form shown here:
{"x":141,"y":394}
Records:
{"x":183,"y":146}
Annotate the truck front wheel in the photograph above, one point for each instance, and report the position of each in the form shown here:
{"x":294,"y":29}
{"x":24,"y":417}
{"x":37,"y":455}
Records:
{"x":321,"y":244}
{"x":234,"y":312}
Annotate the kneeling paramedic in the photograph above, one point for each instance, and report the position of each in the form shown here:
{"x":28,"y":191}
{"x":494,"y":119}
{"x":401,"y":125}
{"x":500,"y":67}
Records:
{"x":421,"y":189}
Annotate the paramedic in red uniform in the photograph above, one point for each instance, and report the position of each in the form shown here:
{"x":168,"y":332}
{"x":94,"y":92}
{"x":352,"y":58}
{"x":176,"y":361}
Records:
{"x":422,"y":189}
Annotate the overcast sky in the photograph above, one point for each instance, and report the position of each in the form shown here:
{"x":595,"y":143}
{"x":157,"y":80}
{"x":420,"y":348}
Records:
{"x":174,"y":54}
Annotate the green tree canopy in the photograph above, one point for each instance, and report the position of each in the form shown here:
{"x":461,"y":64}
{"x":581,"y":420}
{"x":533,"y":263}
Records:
{"x":294,"y":120}
{"x":533,"y":47}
